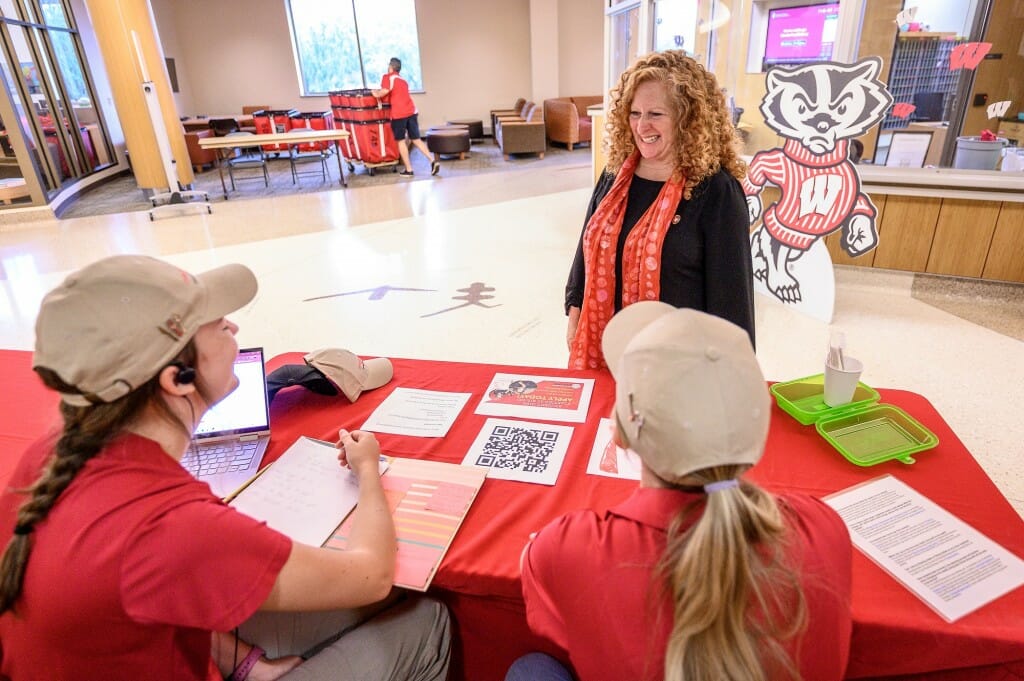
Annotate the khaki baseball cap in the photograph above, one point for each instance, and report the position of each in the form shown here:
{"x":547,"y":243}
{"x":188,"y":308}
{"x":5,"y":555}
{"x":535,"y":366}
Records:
{"x":689,"y":393}
{"x":348,"y":372}
{"x":113,"y":325}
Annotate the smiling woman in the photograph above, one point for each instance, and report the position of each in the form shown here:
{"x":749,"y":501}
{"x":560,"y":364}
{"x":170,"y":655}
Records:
{"x":668,"y":219}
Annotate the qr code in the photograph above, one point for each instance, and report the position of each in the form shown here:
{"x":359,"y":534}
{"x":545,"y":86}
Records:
{"x":522,"y":449}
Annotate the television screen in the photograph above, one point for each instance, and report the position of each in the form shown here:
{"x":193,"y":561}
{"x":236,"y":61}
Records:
{"x":800,"y":35}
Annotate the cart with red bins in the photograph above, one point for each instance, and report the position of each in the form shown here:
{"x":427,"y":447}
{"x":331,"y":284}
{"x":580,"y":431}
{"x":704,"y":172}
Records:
{"x":312,"y":120}
{"x":269,"y":121}
{"x":368,"y":123}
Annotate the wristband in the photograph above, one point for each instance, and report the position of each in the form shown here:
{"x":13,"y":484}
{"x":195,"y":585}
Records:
{"x":246,"y":665}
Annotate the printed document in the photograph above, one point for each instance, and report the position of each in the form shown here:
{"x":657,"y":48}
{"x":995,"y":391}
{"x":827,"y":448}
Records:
{"x":537,"y":397}
{"x":944,"y":561}
{"x":421,"y":413}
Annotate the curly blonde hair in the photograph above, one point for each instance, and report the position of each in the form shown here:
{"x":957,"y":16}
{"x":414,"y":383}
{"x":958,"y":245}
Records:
{"x":706,"y":139}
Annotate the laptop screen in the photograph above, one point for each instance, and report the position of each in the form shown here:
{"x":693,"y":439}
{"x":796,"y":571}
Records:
{"x":246,"y":409}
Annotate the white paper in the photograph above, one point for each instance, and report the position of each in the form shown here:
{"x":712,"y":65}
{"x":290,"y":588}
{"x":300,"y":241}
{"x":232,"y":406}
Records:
{"x":611,"y":461}
{"x":520,"y":450}
{"x":422,"y":413}
{"x":944,"y":561}
{"x":305,"y":494}
{"x":551,"y":398}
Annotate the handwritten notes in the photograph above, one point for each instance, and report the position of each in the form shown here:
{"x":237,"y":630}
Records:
{"x":304,"y":494}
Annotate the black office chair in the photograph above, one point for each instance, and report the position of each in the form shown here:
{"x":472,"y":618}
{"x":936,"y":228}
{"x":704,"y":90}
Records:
{"x":297,"y":156}
{"x":249,"y":158}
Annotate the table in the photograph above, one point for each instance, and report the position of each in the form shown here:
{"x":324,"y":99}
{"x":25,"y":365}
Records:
{"x":194,"y":123}
{"x":13,"y":188}
{"x":895,"y":636}
{"x":293,"y":137}
{"x":894,"y":632}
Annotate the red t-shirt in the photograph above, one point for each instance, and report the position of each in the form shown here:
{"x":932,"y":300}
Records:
{"x":589,"y":586}
{"x":401,"y":102}
{"x":134,"y":566}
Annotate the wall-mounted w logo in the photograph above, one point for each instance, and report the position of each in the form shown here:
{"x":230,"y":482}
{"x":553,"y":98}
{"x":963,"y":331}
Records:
{"x":819,"y":193}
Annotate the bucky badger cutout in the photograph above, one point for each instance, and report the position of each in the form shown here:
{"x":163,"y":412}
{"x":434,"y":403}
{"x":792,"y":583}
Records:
{"x":818,"y":108}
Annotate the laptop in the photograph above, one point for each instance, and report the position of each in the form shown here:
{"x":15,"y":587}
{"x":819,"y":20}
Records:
{"x":231,"y":438}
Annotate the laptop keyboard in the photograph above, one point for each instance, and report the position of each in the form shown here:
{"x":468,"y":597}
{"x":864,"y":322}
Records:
{"x":214,"y":459}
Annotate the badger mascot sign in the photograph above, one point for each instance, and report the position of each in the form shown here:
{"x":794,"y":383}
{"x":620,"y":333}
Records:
{"x":818,"y":108}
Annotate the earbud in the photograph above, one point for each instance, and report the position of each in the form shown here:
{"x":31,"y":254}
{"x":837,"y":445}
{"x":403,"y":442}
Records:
{"x":185,"y":375}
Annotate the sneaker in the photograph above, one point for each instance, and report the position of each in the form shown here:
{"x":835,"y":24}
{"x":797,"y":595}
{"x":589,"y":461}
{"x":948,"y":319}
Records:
{"x":406,"y":173}
{"x":435,"y":167}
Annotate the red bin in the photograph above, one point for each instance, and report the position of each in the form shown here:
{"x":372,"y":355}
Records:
{"x":312,"y":120}
{"x":271,"y":121}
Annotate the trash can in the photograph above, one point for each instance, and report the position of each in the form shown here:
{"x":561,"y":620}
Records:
{"x":974,"y":153}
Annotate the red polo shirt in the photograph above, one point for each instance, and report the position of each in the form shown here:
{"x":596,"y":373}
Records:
{"x":134,"y":566}
{"x":401,"y":102}
{"x":589,"y":586}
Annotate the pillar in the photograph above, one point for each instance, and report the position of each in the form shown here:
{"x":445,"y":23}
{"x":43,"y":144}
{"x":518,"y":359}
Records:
{"x":114,"y":22}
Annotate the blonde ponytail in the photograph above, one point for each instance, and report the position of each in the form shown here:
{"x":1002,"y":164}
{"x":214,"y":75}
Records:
{"x":736,"y":601}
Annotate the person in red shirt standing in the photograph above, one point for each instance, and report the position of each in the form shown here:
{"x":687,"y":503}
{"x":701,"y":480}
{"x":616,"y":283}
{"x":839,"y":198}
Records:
{"x":700,"y":574}
{"x":404,"y":117}
{"x":119,"y":564}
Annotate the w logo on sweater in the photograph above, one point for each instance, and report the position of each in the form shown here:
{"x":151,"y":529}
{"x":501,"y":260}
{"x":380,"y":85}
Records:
{"x":819,"y":193}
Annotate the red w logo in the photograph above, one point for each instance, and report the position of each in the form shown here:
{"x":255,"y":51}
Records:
{"x":968,"y":55}
{"x":903,"y":109}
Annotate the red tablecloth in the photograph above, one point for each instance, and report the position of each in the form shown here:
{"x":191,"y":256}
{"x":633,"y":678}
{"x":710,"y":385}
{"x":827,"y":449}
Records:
{"x":895,"y":635}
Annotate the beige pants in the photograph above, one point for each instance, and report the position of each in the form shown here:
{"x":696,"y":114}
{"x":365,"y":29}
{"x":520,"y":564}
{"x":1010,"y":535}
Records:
{"x":405,"y":638}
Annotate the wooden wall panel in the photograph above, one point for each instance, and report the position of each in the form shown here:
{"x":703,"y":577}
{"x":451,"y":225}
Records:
{"x":1005,"y":261}
{"x":905,"y":236}
{"x":962,"y":237}
{"x":834,"y":240}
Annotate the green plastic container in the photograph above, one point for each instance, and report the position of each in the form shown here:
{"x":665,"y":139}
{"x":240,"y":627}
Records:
{"x":804,"y":399}
{"x":863,"y":431}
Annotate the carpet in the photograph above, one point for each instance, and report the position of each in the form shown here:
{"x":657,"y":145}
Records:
{"x":120,"y":194}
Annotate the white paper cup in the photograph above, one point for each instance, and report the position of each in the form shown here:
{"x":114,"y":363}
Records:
{"x":840,"y":384}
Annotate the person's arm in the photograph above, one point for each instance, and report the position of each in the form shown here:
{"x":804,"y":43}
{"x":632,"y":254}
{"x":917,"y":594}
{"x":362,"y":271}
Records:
{"x":314,"y":578}
{"x":728,"y":271}
{"x":577,"y":279}
{"x":574,"y":323}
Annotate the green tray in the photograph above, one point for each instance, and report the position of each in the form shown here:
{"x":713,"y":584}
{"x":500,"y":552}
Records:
{"x":804,"y":399}
{"x":875,"y":434}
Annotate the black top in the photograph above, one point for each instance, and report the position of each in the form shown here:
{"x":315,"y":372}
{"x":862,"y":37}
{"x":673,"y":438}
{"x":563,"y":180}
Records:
{"x":705,"y":258}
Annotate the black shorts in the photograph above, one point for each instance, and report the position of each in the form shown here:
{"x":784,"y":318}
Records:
{"x":400,"y":126}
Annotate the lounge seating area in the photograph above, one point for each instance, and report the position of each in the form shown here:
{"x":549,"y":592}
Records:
{"x":566,"y":119}
{"x":520,"y":131}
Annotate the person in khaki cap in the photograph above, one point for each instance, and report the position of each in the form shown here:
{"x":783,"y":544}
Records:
{"x":700,"y":574}
{"x":120,"y":565}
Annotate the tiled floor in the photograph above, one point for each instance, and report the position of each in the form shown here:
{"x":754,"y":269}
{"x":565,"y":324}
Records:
{"x":515,"y":232}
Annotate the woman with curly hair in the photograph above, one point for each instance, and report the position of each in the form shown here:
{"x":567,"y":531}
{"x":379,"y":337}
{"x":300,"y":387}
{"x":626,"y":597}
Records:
{"x":668,"y":219}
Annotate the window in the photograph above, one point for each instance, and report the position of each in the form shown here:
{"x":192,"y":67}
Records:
{"x":347,"y":44}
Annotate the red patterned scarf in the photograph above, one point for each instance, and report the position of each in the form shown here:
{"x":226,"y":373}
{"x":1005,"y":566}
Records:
{"x":641,"y":260}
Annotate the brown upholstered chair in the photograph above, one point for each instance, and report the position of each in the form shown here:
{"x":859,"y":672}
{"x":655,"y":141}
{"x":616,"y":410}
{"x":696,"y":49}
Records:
{"x":198,"y":156}
{"x":516,"y":110}
{"x":522,"y":135}
{"x":567,"y":120}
